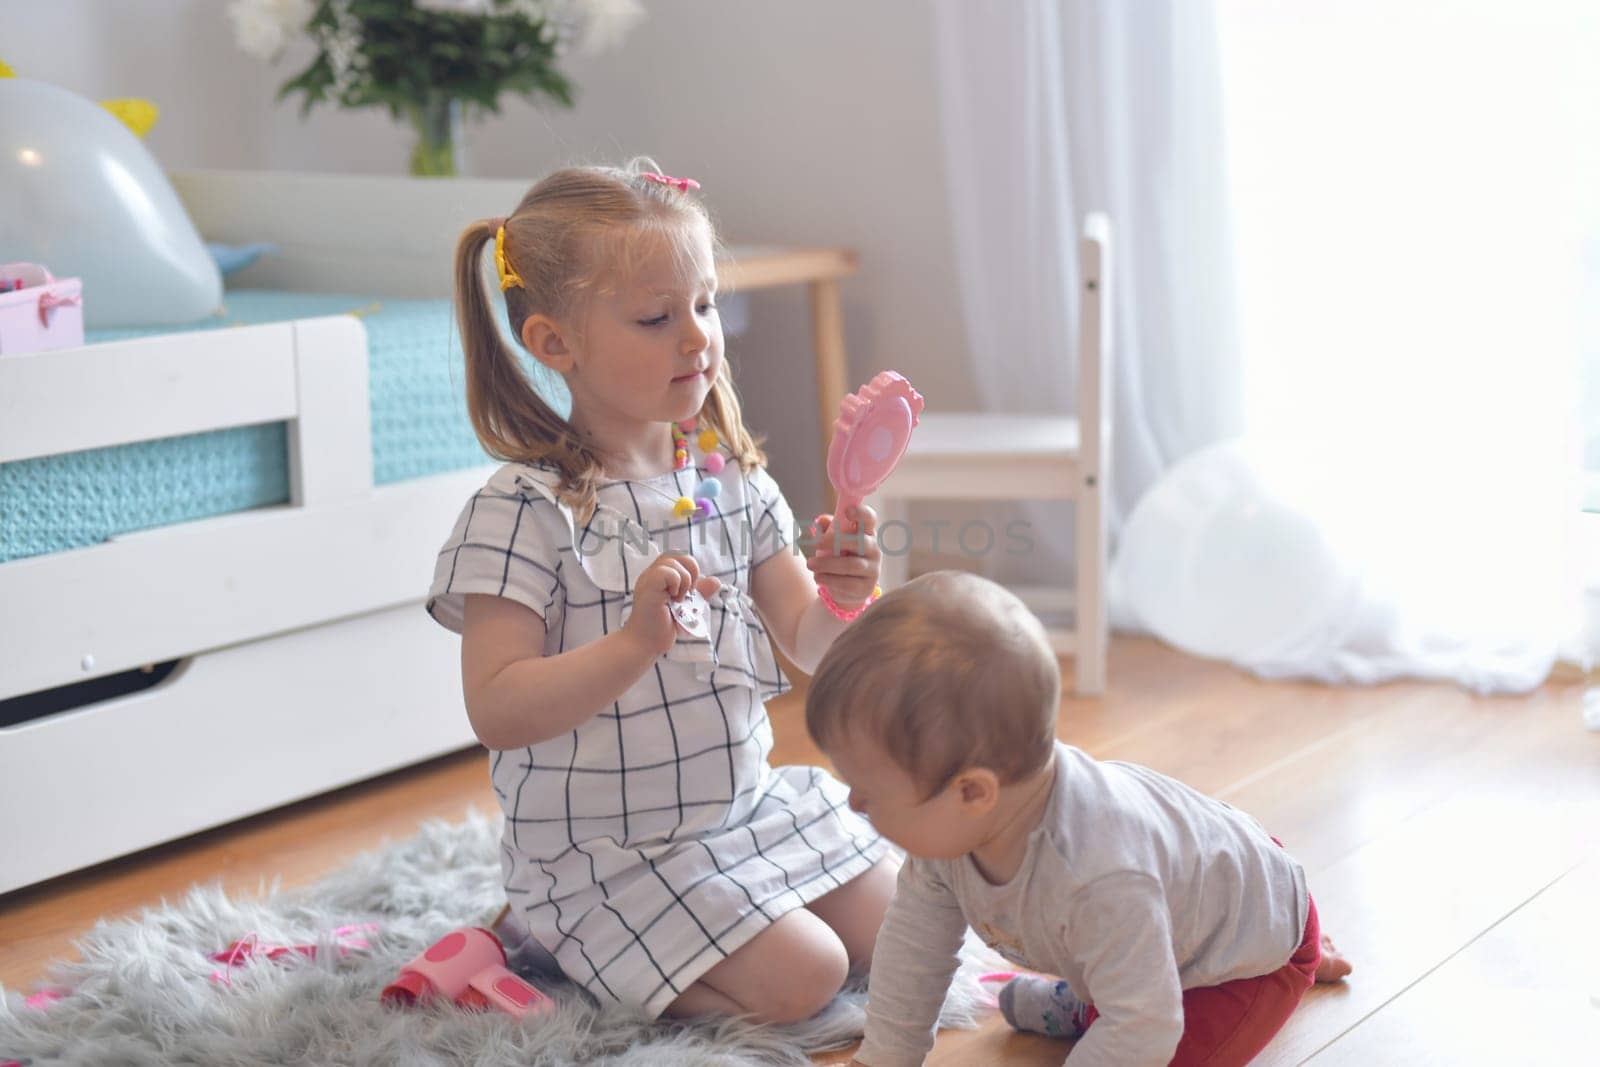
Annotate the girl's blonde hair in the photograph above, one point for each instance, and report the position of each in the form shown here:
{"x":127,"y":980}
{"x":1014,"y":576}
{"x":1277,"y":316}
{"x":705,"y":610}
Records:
{"x":573,"y":232}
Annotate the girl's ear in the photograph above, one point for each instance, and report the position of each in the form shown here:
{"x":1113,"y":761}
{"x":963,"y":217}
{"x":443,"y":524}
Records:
{"x":547,"y":341}
{"x":979,"y":789}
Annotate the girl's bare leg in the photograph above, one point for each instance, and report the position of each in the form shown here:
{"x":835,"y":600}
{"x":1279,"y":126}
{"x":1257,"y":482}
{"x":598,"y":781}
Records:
{"x":855,"y":910}
{"x":786,"y":973}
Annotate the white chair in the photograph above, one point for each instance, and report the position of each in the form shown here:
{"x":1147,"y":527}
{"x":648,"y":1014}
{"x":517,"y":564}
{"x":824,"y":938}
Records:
{"x":992,"y":456}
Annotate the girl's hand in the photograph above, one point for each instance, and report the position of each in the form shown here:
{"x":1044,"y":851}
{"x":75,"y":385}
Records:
{"x":851,"y":572}
{"x":669,"y":578}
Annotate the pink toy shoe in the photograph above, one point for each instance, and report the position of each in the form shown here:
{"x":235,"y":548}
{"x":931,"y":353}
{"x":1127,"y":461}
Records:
{"x":467,"y":967}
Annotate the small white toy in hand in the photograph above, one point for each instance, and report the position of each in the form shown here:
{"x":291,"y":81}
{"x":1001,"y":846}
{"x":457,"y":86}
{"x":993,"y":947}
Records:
{"x":692,"y":614}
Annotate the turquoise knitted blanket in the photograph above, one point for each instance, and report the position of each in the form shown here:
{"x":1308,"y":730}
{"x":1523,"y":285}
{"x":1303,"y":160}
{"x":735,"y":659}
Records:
{"x":419,"y":427}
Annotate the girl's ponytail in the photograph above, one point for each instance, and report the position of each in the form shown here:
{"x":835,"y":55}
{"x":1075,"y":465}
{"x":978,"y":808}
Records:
{"x":512,"y":420}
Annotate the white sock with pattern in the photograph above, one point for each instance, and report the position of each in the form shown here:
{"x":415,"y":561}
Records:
{"x":1042,"y":1006}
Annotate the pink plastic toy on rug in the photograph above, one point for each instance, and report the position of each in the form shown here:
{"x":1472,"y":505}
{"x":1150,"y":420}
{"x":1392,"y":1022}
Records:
{"x":869,"y":437}
{"x":346,"y":939}
{"x":467,"y":967}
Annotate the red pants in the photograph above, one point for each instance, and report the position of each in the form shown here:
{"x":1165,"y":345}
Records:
{"x":1227,"y":1025}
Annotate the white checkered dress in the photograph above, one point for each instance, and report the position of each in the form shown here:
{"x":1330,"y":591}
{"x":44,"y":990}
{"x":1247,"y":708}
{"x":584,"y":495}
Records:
{"x":654,"y":839}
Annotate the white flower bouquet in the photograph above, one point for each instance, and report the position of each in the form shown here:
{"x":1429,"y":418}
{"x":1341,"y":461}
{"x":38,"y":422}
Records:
{"x":427,"y":60}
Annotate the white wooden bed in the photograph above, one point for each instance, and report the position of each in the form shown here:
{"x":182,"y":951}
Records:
{"x":304,"y":659}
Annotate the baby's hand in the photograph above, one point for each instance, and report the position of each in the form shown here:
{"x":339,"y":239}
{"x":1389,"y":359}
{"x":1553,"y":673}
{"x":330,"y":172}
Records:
{"x":668,"y":579}
{"x":851,"y":572}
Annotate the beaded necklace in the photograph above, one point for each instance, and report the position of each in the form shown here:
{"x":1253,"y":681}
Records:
{"x":709,"y":488}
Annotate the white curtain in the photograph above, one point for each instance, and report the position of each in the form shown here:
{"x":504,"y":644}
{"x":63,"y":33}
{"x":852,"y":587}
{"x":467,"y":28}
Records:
{"x":1415,"y":186}
{"x":1053,"y":110}
{"x":1356,"y":268}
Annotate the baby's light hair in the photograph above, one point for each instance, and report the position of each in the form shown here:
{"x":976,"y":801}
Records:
{"x":949,"y":672}
{"x":575,"y":233}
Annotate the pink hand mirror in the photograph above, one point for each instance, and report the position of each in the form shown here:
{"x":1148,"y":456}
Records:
{"x":870,"y":435}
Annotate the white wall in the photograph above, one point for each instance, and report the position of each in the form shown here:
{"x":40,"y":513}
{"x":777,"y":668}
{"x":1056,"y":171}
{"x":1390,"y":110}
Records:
{"x":806,"y":123}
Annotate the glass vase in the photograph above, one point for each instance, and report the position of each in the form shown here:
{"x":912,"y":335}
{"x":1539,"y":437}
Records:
{"x":440,"y":131}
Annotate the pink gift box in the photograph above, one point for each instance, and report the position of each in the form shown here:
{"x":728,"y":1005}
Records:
{"x":47,"y":312}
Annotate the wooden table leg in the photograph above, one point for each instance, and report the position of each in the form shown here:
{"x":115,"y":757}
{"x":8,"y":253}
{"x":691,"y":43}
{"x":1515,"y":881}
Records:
{"x":827,"y":330}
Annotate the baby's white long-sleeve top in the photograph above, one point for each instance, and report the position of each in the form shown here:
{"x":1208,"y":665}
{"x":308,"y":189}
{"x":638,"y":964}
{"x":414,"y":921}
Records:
{"x":1134,"y":888}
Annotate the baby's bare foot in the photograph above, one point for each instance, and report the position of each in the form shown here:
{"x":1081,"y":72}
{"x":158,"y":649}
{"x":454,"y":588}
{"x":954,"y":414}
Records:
{"x":1333,"y":967}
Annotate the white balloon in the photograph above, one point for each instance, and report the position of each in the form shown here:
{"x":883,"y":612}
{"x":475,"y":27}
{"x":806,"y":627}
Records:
{"x":81,"y":195}
{"x":1212,"y":562}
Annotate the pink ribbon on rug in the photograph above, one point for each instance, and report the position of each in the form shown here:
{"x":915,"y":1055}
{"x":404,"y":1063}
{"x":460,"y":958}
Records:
{"x":45,"y":997}
{"x":993,"y":976}
{"x":251,"y":946}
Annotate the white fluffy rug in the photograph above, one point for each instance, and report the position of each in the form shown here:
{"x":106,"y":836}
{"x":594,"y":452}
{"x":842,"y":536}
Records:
{"x":143,"y":992}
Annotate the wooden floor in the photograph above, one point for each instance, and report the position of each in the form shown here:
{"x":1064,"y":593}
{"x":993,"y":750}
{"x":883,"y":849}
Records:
{"x":1452,"y":843}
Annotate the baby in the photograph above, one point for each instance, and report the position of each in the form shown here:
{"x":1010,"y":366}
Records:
{"x":1182,"y":932}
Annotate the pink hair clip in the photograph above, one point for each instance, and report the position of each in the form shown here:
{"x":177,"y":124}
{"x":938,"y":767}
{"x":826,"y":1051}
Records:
{"x":683,"y":185}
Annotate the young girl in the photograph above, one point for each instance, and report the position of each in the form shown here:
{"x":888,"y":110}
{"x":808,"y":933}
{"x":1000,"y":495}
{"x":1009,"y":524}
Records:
{"x":607,"y":583}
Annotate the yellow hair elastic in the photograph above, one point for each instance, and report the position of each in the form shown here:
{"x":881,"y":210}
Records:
{"x":508,"y":276}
